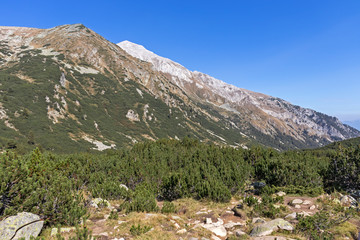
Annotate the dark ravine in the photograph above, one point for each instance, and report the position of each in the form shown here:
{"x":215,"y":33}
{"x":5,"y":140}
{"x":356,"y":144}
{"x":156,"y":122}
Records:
{"x":68,"y":89}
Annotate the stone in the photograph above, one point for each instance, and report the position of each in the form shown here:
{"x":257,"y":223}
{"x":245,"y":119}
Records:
{"x":312,"y":207}
{"x":177,"y":226}
{"x":296,"y":201}
{"x":258,"y":185}
{"x":10,"y":225}
{"x":208,"y":221}
{"x":281,"y":194}
{"x":304,"y":214}
{"x":182,"y":231}
{"x":291,"y":216}
{"x":232,"y":224}
{"x":216,"y":228}
{"x":297,"y":206}
{"x":347,"y":199}
{"x":307,"y":202}
{"x":215,"y":237}
{"x":271,"y":226}
{"x":258,"y":220}
{"x":239,"y":233}
{"x":99,"y":202}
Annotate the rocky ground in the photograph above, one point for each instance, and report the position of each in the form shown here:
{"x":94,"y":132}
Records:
{"x":217,"y":221}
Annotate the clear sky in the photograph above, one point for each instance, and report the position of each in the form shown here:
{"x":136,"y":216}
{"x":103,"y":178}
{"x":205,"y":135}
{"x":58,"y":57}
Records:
{"x":304,"y":51}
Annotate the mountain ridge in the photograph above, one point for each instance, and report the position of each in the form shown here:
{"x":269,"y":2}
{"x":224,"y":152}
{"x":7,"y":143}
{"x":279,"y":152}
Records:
{"x":68,"y":88}
{"x":230,"y":92}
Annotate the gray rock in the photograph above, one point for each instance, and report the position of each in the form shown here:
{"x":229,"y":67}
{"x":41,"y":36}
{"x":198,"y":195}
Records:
{"x":296,"y":201}
{"x":217,"y":228}
{"x":258,"y":185}
{"x":258,"y":220}
{"x":239,"y":233}
{"x":182,"y":231}
{"x":273,"y":225}
{"x":291,"y":216}
{"x":281,"y":194}
{"x":23,"y":225}
{"x":232,"y":224}
{"x":307,"y":202}
{"x":347,"y":199}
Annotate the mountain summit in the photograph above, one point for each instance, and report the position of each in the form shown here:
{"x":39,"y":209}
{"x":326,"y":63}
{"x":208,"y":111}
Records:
{"x":68,"y":89}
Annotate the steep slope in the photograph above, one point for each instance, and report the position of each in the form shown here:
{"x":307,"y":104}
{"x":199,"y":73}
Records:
{"x":68,"y":89}
{"x":272,"y":116}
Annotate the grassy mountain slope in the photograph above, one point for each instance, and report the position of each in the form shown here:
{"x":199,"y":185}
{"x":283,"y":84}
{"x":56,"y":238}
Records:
{"x":68,"y":89}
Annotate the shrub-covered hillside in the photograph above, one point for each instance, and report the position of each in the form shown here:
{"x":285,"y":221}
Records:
{"x":58,"y":187}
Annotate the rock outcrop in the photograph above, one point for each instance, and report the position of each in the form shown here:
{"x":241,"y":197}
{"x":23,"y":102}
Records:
{"x":271,"y":226}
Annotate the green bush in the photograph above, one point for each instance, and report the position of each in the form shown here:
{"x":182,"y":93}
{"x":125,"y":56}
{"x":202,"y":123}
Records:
{"x":143,"y":200}
{"x":32,"y":183}
{"x":138,"y":230}
{"x":114,"y":215}
{"x":168,"y":207}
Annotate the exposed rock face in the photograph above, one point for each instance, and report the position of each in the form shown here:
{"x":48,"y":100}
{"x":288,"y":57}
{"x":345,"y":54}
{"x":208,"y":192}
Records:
{"x":271,"y":226}
{"x":23,"y":225}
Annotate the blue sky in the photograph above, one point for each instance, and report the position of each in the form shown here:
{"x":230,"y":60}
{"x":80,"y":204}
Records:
{"x":304,"y":51}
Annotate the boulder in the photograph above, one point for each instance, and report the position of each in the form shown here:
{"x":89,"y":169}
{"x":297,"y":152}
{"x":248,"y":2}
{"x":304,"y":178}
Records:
{"x":23,"y":225}
{"x":296,"y":202}
{"x":258,"y":220}
{"x":182,"y":231}
{"x":213,"y":237}
{"x":239,"y":233}
{"x":232,"y":224}
{"x":258,"y":185}
{"x":271,"y":226}
{"x":291,"y":216}
{"x":307,"y":202}
{"x":281,"y":194}
{"x":217,"y":228}
{"x":348,"y":200}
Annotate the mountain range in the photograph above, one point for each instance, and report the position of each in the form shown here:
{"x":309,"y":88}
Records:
{"x":68,"y":89}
